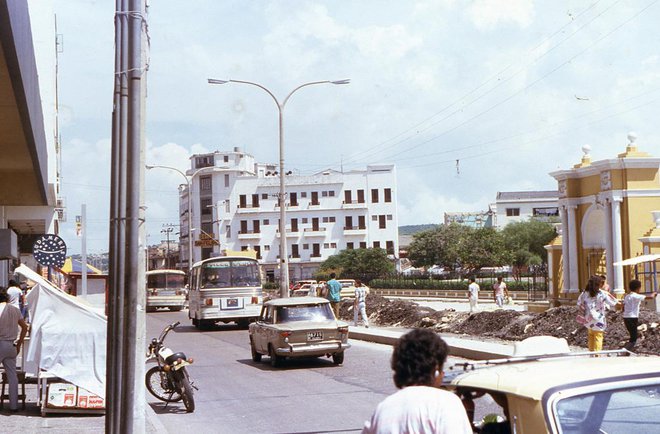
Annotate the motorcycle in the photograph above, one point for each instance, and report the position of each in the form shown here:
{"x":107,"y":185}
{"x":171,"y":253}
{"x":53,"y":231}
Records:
{"x":169,"y":380}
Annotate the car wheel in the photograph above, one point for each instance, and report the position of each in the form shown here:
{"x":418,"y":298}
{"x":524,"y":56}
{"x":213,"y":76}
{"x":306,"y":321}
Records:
{"x":256,"y":357}
{"x":275,"y":360}
{"x":338,"y":358}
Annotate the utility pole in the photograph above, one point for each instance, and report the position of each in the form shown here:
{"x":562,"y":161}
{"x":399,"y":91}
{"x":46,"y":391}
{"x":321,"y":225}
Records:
{"x":83,"y":268}
{"x":167,"y":230}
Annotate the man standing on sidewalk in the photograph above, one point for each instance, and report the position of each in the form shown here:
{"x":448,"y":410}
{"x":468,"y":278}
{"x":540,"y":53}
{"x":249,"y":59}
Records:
{"x":473,"y":295}
{"x":10,"y":320}
{"x":334,"y":293}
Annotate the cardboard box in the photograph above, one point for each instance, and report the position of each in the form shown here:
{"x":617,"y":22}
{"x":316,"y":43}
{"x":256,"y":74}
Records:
{"x":89,"y":400}
{"x":61,"y":395}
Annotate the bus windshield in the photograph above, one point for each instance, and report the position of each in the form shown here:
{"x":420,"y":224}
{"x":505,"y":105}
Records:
{"x":230,"y":273}
{"x":165,"y":280}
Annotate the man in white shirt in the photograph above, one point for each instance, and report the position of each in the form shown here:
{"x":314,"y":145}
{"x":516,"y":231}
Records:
{"x":499,"y":291}
{"x":10,"y":320}
{"x":419,"y":406}
{"x":14,"y":293}
{"x":473,"y":295}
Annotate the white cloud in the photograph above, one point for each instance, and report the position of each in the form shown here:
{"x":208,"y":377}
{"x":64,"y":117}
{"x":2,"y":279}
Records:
{"x":489,"y":14}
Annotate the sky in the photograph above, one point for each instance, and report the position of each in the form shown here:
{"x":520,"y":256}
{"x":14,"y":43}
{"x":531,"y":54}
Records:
{"x":467,"y":98}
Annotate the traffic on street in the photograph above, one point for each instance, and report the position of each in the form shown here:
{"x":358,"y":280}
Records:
{"x":237,"y":395}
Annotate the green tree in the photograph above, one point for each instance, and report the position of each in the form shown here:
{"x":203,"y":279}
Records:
{"x":526,"y":241}
{"x":483,"y":247}
{"x":364,"y":264}
{"x":441,"y":246}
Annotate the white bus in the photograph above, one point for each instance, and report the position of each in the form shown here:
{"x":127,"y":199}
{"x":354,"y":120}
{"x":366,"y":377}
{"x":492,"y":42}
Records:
{"x":226,"y":288}
{"x":166,"y":288}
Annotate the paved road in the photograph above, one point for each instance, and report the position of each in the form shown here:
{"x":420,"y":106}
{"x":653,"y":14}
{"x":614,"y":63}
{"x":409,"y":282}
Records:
{"x":237,"y":395}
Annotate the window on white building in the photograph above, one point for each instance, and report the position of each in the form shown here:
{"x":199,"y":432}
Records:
{"x":305,"y":246}
{"x":226,"y":180}
{"x":512,"y":212}
{"x":266,"y":247}
{"x":228,"y":231}
{"x":266,"y":222}
{"x":374,"y":218}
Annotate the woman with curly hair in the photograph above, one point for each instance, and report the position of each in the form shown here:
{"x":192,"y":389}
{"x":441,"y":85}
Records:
{"x":594,"y":302}
{"x":419,"y":406}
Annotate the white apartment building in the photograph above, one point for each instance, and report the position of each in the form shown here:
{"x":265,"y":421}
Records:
{"x":517,"y":206}
{"x":235,"y":207}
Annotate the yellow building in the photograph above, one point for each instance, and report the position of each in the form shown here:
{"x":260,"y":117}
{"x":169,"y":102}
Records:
{"x":606,"y":216}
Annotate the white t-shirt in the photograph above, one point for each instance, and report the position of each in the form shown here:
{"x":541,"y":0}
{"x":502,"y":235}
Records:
{"x":419,"y":410}
{"x":14,"y":295}
{"x":631,"y":303}
{"x":9,"y":316}
{"x":499,"y":288}
{"x":474,"y":289}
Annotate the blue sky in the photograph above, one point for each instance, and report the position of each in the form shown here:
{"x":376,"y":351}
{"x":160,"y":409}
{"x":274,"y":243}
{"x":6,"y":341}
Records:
{"x":512,"y":89}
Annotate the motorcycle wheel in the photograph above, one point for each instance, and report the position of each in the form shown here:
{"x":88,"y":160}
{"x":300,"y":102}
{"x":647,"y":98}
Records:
{"x":160,"y":386}
{"x":187,"y":392}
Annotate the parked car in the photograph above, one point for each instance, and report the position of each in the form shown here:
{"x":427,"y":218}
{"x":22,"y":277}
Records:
{"x":303,"y":291}
{"x":565,"y":393}
{"x":348,"y":288}
{"x":298,"y":327}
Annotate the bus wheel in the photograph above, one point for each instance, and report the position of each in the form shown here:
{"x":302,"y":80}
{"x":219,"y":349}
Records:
{"x":243,"y":323}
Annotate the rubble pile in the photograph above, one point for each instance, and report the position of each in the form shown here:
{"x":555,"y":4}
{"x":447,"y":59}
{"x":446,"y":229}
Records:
{"x":508,"y":324}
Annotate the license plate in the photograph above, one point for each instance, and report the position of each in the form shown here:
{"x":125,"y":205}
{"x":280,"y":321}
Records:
{"x":314,"y":336}
{"x":232,"y":302}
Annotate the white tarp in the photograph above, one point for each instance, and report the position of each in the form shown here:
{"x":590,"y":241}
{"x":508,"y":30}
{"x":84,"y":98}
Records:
{"x":639,"y":260}
{"x":67,"y":337}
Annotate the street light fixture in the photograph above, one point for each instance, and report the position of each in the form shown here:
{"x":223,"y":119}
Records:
{"x":284,"y":260}
{"x":189,"y":184}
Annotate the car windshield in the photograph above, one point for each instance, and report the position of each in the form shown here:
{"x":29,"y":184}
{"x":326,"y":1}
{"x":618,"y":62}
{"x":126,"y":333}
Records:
{"x":306,"y":312}
{"x":230,"y":274}
{"x":632,"y":410}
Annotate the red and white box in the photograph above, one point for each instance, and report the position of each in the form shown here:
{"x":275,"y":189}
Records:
{"x":61,"y":395}
{"x":89,"y":400}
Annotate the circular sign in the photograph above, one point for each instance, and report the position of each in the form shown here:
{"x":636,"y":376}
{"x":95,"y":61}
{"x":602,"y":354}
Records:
{"x":49,"y":250}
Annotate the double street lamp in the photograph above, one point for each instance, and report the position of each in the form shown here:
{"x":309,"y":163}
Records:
{"x":284,"y":259}
{"x":189,"y":186}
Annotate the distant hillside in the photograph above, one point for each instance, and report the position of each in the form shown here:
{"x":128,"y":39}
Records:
{"x":413,"y":229}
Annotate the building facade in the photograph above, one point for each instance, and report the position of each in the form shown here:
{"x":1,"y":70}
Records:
{"x":235,"y":207}
{"x":606,"y":210}
{"x":29,"y":173}
{"x":519,"y":206}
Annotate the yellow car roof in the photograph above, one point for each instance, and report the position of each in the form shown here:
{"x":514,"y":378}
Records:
{"x":531,"y":379}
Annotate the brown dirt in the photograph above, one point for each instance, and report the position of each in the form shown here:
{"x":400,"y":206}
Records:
{"x":508,"y":324}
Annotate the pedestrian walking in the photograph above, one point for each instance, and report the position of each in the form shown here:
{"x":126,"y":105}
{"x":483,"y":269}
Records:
{"x":594,"y":302}
{"x":360,"y":304}
{"x":500,"y":291}
{"x":419,"y":406}
{"x":14,"y":294}
{"x":334,"y":293}
{"x":473,"y":295}
{"x":631,"y":304}
{"x":10,"y":320}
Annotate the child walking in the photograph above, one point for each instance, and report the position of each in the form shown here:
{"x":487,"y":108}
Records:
{"x":631,"y":303}
{"x":595,"y":302}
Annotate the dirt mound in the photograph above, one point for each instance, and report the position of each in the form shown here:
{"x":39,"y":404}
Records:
{"x":508,"y":324}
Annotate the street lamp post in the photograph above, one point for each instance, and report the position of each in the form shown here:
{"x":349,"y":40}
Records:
{"x":284,"y":259}
{"x":189,"y":182}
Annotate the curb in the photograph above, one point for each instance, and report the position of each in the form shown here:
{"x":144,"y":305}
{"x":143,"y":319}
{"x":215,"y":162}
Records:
{"x":470,"y":349}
